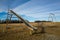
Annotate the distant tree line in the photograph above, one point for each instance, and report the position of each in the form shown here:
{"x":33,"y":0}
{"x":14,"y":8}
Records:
{"x":11,"y":21}
{"x":42,"y":21}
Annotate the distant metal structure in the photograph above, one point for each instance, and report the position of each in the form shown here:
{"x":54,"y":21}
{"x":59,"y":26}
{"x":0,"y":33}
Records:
{"x":9,"y":15}
{"x":51,"y":17}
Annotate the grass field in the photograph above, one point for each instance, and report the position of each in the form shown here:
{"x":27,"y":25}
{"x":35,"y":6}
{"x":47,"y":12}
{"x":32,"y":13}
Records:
{"x":19,"y":31}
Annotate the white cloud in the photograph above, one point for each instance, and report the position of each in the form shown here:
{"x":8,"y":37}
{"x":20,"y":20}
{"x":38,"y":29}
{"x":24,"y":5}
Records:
{"x":35,"y":10}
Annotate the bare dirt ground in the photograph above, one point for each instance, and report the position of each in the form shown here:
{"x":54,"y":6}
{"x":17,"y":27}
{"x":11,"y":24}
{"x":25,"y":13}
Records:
{"x":19,"y":31}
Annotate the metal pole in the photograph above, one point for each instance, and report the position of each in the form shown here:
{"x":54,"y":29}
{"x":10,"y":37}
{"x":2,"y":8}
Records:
{"x":7,"y":14}
{"x":30,"y":26}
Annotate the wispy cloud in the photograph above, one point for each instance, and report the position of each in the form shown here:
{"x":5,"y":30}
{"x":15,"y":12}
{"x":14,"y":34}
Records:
{"x":39,"y":9}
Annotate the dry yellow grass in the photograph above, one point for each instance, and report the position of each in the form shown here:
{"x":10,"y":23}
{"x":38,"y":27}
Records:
{"x":19,"y":31}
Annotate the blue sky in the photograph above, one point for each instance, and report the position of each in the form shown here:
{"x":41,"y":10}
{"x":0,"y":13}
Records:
{"x":33,"y":9}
